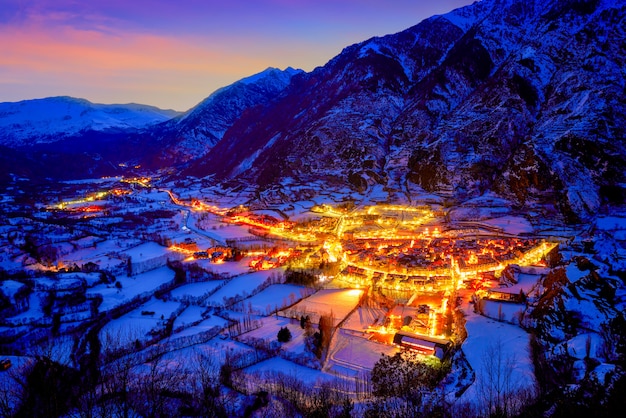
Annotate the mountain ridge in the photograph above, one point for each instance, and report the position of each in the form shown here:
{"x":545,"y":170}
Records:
{"x":499,"y":95}
{"x":50,"y":119}
{"x":68,"y":145}
{"x":525,"y":99}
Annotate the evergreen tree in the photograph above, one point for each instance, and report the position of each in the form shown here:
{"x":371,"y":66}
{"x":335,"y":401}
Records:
{"x":284,"y":335}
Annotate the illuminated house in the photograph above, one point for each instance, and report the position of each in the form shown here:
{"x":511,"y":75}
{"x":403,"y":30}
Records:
{"x":423,"y":344}
{"x":505,"y":296}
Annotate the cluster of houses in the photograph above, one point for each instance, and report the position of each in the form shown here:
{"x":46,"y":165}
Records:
{"x":434,"y":254}
{"x":273,"y":258}
{"x":429,"y":264}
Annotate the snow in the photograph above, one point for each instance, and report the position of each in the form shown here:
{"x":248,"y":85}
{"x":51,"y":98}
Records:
{"x":10,"y":287}
{"x":141,"y":284}
{"x":611,"y":223}
{"x":224,"y":231}
{"x":203,"y":326}
{"x":504,"y":311}
{"x":227,"y":269}
{"x":460,"y":19}
{"x":338,"y":302}
{"x":603,"y":371}
{"x":363,"y":317}
{"x":12,"y":381}
{"x":511,"y":224}
{"x":369,"y":46}
{"x":146,"y":251}
{"x":489,"y":340}
{"x":270,"y":72}
{"x":104,"y":254}
{"x":216,"y":348}
{"x":355,"y":355}
{"x":269,"y":333}
{"x":577,"y":346}
{"x":48,"y":119}
{"x":241,"y":285}
{"x":247,"y":163}
{"x":271,"y":367}
{"x":195,"y":290}
{"x":588,"y":313}
{"x":34,"y":313}
{"x":574,"y":274}
{"x":526,"y":281}
{"x":192,"y":314}
{"x":134,"y":325}
{"x":277,"y":296}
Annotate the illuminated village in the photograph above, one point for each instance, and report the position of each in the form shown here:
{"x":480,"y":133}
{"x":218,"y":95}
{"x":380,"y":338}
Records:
{"x":189,"y":272}
{"x":409,"y":254}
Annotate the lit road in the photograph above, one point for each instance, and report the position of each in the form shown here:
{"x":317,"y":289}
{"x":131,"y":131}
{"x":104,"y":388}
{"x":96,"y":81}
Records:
{"x":192,"y":227}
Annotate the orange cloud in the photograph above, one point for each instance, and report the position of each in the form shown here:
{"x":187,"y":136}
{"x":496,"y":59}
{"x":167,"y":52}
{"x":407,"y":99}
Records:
{"x":136,"y":63}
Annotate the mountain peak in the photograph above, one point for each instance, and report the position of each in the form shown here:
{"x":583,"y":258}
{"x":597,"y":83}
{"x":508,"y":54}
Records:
{"x":271,"y":72}
{"x":501,"y":95}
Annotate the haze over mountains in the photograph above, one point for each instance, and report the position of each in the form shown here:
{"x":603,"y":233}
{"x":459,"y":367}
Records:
{"x":522,"y":98}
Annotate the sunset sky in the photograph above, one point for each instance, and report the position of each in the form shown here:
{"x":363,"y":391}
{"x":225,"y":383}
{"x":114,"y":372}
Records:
{"x":174,"y":53}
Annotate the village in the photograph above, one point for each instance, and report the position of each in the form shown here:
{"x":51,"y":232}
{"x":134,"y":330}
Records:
{"x":149,"y":266}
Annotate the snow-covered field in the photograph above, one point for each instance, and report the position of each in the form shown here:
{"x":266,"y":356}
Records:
{"x":269,"y":331}
{"x":355,"y":355}
{"x":242,"y":285}
{"x":137,"y":324}
{"x":275,"y":297}
{"x":228,"y":269}
{"x":203,"y":326}
{"x":363,"y":317}
{"x":268,"y":368}
{"x":199,"y":290}
{"x":499,"y":354}
{"x":510,"y":224}
{"x":336,"y":302}
{"x":131,"y":287}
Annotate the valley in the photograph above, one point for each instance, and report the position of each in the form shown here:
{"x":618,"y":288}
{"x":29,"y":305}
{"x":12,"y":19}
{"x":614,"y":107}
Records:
{"x":432,"y":223}
{"x":157,"y":271}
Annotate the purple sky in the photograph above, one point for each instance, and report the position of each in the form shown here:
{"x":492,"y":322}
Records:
{"x":174,"y":53}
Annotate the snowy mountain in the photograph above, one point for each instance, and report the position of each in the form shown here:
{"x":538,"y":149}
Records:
{"x":194,"y":133}
{"x":73,"y":138}
{"x":52,"y":119}
{"x":524,"y":98}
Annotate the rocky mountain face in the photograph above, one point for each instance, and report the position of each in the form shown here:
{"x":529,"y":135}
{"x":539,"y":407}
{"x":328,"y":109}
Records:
{"x":525,"y":98}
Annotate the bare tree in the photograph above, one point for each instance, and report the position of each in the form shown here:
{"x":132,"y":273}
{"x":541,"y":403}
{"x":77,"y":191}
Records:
{"x":116,"y":387}
{"x":502,"y":393}
{"x":207,"y":389}
{"x":13,"y":387}
{"x":155,"y":385}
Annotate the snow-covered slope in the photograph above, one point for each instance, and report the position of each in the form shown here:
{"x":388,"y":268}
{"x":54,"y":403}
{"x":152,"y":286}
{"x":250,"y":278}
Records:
{"x":197,"y":131}
{"x":51,"y":119}
{"x":72,"y":138}
{"x":524,"y":98}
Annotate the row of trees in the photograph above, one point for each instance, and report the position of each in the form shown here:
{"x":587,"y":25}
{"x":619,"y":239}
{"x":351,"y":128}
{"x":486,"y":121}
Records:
{"x":126,"y":387}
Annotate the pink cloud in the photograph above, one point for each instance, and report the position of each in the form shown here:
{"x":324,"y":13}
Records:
{"x":122,"y":67}
{"x":175,"y":53}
